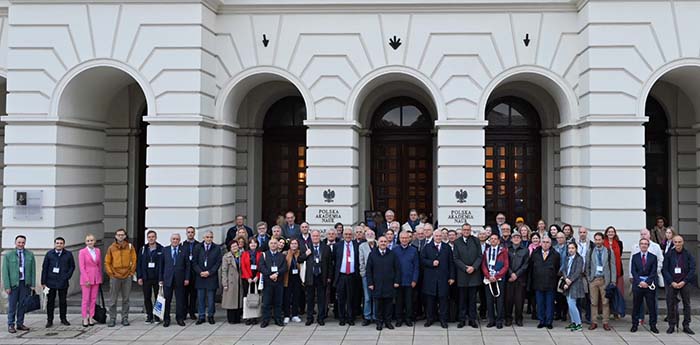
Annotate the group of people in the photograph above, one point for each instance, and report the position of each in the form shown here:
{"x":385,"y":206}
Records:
{"x":387,"y":274}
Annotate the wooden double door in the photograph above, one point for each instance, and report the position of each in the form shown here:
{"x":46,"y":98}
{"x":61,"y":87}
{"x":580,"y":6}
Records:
{"x":402,"y":172}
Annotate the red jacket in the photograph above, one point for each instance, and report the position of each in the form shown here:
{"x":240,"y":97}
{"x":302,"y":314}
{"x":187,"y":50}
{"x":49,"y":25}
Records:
{"x":501,"y":266}
{"x":246,"y":272}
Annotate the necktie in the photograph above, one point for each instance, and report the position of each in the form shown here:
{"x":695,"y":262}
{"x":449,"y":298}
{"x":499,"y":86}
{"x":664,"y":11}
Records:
{"x":544,"y":255}
{"x":644,"y":259}
{"x":21,"y":265}
{"x":347,"y":258}
{"x":174,"y":254}
{"x":317,"y":269}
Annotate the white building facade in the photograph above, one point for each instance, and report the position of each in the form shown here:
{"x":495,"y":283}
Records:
{"x":163,"y":114}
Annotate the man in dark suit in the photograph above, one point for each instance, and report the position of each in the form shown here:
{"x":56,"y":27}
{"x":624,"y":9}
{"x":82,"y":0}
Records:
{"x":207,"y":260}
{"x":188,"y":248}
{"x":330,"y":241}
{"x":644,"y":274}
{"x":467,"y":257}
{"x":383,"y":278}
{"x":273,"y":267}
{"x":304,"y":237}
{"x":386,"y":225}
{"x":147,"y":272}
{"x":174,"y":277}
{"x":438,"y":266}
{"x":544,"y":273}
{"x":516,"y":286}
{"x":318,"y":270}
{"x":290,"y":229}
{"x":500,"y":220}
{"x":347,"y":272}
{"x":56,"y":271}
{"x":262,"y":236}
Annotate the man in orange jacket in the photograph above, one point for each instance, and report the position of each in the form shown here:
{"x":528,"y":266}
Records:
{"x":120,"y":265}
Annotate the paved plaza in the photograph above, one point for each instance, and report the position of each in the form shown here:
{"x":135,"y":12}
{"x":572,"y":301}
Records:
{"x":330,"y":334}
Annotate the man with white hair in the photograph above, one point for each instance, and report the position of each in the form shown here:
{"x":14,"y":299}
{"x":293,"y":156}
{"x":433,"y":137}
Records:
{"x":384,"y":226}
{"x":369,"y":310}
{"x":174,"y":277}
{"x":436,"y":259}
{"x":655,"y":249}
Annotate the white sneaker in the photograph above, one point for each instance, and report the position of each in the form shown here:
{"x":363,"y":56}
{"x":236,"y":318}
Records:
{"x":286,"y":320}
{"x":296,"y":319}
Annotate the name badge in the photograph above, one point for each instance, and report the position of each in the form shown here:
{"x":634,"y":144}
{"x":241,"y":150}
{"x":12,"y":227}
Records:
{"x":295,"y":271}
{"x":56,"y":269}
{"x":253,"y":267}
{"x":151,"y":265}
{"x":677,"y":270}
{"x":350,"y":259}
{"x":274,"y":269}
{"x":190,"y":257}
{"x":317,"y":260}
{"x":21,"y":269}
{"x":599,"y":269}
{"x":492,"y":263}
{"x":205,"y":263}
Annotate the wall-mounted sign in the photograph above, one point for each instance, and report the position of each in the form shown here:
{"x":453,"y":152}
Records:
{"x":27,"y":205}
{"x":328,"y":216}
{"x":460,"y":216}
{"x":461,"y":196}
{"x":328,"y":195}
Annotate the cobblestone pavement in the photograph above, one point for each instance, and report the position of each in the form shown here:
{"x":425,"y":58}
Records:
{"x":330,"y":334}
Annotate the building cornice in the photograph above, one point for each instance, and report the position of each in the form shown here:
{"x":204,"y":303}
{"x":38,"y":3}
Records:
{"x":213,"y":5}
{"x":395,"y":6}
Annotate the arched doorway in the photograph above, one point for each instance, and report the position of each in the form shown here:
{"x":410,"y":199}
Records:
{"x":656,"y":162}
{"x":284,"y":159}
{"x":402,"y":157}
{"x":513,"y":165}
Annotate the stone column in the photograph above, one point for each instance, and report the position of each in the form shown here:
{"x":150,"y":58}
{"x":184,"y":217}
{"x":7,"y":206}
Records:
{"x":460,"y":176}
{"x":332,"y":174}
{"x":191,"y":176}
{"x":602,"y":174}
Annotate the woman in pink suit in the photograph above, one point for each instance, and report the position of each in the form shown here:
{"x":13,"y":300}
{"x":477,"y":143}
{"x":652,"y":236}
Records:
{"x":90,"y":278}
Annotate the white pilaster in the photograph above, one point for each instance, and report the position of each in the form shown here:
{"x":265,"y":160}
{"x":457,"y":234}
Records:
{"x":460,"y":163}
{"x":332,"y":174}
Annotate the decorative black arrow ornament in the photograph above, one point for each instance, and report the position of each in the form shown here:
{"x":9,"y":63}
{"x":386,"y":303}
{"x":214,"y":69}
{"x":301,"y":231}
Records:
{"x":265,"y":40}
{"x":527,"y":40}
{"x":395,"y":42}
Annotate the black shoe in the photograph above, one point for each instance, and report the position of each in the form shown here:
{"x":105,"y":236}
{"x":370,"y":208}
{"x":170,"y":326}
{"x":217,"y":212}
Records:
{"x":309,"y":322}
{"x":321,"y":323}
{"x":193,"y":317}
{"x":379,"y":326}
{"x":342,"y":323}
{"x":65,"y":322}
{"x":634,"y":328}
{"x":550,"y":326}
{"x":389,"y":325}
{"x":687,"y":330}
{"x":264,"y":324}
{"x":149,"y":319}
{"x":499,"y":325}
{"x":670,"y":329}
{"x":279,"y":323}
{"x":519,"y":323}
{"x":211,"y":320}
{"x":398,"y":324}
{"x":409,"y":324}
{"x":653,"y":329}
{"x":351,"y":322}
{"x":509,"y":323}
{"x":199,"y":322}
{"x":428,"y":323}
{"x":366,"y":322}
{"x":49,"y":324}
{"x":181,"y":323}
{"x":460,"y":324}
{"x":473,"y":324}
{"x":490,"y":324}
{"x":541,"y":325}
{"x":443,"y":324}
{"x":166,"y":323}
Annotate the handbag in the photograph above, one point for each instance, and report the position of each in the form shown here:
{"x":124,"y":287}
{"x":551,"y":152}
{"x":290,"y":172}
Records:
{"x":251,"y":309}
{"x":100,"y":310}
{"x":159,"y":306}
{"x":560,"y":284}
{"x":32,"y":302}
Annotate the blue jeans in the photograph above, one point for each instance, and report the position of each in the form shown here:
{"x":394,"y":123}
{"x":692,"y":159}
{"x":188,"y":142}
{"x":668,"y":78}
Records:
{"x":545,"y":306}
{"x":202,"y":305}
{"x":370,"y":309}
{"x":17,"y":295}
{"x":573,"y":311}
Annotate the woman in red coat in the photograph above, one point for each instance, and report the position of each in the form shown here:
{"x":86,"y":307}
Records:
{"x":250,"y":260}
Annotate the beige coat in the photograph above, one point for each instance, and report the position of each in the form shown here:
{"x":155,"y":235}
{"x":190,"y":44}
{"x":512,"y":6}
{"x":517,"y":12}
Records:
{"x":232,"y":297}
